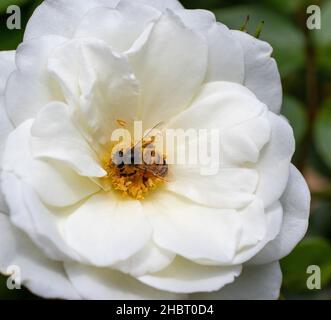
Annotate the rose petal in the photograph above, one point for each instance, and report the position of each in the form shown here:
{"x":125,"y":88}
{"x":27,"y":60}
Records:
{"x":106,"y":230}
{"x":31,"y":87}
{"x":7,"y":66}
{"x":148,"y":260}
{"x":183,"y":276}
{"x":98,"y":85}
{"x":161,"y":5}
{"x":241,"y":120}
{"x":42,"y":276}
{"x":254,"y":225}
{"x":274,"y":164}
{"x":56,"y":184}
{"x":243,"y":130}
{"x":267,"y":229}
{"x":255,"y":283}
{"x":61,"y":17}
{"x":5,"y":128}
{"x":54,"y":136}
{"x":296,"y":206}
{"x":29,"y":214}
{"x":118,"y":27}
{"x":169,"y":78}
{"x":261,"y":72}
{"x":231,"y":188}
{"x":192,"y":231}
{"x":226,"y":58}
{"x":106,"y":284}
{"x":220,"y":105}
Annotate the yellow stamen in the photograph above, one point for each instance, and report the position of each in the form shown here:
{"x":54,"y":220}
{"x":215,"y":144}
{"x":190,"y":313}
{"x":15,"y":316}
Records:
{"x":131,"y":181}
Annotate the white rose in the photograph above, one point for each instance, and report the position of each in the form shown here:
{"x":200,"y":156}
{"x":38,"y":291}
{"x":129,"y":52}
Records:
{"x":84,"y":64}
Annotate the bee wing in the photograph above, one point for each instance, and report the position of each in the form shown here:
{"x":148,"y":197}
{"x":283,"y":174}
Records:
{"x":159,"y":127}
{"x":153,"y":173}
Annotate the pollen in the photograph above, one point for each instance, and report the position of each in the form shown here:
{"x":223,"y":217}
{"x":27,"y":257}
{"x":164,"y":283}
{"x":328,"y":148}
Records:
{"x":135,"y":181}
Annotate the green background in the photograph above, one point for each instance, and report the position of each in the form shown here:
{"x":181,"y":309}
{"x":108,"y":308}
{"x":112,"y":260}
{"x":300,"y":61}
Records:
{"x":304,"y":60}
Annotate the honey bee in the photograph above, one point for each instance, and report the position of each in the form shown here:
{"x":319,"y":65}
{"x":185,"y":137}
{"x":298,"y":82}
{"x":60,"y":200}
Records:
{"x":141,"y":158}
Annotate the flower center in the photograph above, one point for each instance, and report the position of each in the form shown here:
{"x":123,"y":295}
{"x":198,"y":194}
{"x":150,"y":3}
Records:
{"x":136,"y":170}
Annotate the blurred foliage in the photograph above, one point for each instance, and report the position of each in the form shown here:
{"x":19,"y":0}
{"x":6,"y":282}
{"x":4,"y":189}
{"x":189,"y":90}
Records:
{"x":323,"y":46}
{"x":322,"y":132}
{"x":312,"y":251}
{"x":289,"y":58}
{"x":304,"y":59}
{"x":294,"y":111}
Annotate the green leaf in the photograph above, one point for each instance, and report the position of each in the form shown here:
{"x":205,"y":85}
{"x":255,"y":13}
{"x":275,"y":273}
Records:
{"x":311,"y":251}
{"x":294,"y":111}
{"x":322,"y":133}
{"x":280,"y":32}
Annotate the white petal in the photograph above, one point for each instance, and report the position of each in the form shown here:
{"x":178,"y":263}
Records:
{"x":98,"y":85}
{"x":255,"y":283}
{"x":192,"y":231}
{"x":32,"y":56}
{"x":29,"y":214}
{"x":61,"y":17}
{"x":183,"y":276}
{"x":243,"y":143}
{"x":161,"y":5}
{"x":169,"y":78}
{"x":274,"y":164}
{"x":118,"y":27}
{"x":25,"y":96}
{"x":55,"y":183}
{"x":105,"y":229}
{"x":226,"y":58}
{"x":3,"y":205}
{"x":296,"y":205}
{"x":219,"y":105}
{"x":54,"y":136}
{"x":31,"y":86}
{"x":7,"y":66}
{"x":42,"y":276}
{"x":261,"y":72}
{"x":231,"y":188}
{"x":106,"y":284}
{"x":254,"y":224}
{"x":258,"y":230}
{"x":148,"y":260}
{"x":241,"y":120}
{"x":5,"y":128}
{"x":197,"y":20}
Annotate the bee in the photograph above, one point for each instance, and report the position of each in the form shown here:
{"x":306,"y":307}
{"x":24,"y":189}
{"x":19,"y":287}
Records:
{"x":141,"y":158}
